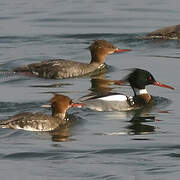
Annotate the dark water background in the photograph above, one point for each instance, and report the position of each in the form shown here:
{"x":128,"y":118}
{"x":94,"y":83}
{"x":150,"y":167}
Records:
{"x":100,"y":145}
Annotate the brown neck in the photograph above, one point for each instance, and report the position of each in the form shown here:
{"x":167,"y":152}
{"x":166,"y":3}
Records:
{"x":141,"y":96}
{"x":97,"y":58}
{"x":60,"y":116}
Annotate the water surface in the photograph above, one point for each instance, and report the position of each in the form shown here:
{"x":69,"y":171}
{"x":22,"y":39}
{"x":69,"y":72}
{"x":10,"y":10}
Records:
{"x":100,"y":145}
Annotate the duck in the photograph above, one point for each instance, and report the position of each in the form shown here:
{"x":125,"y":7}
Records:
{"x":62,"y":68}
{"x":169,"y":32}
{"x":30,"y":121}
{"x":138,"y":80}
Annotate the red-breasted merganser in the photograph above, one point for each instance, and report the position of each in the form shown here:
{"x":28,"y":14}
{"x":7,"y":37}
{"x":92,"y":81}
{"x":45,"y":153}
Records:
{"x":137,"y":79}
{"x":170,"y":32}
{"x":42,"y":122}
{"x":61,"y":68}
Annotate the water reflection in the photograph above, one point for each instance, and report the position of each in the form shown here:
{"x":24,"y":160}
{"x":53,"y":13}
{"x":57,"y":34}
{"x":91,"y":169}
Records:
{"x":63,"y":134}
{"x":100,"y":86}
{"x":137,"y":124}
{"x":141,"y":122}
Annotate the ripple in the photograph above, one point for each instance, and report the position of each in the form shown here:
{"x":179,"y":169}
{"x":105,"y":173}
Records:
{"x":15,"y":39}
{"x":161,"y":101}
{"x":10,"y":107}
{"x":26,"y":155}
{"x":176,"y":155}
{"x":119,"y":151}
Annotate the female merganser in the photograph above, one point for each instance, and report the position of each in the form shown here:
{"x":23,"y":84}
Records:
{"x":42,"y":122}
{"x":137,"y":79}
{"x":61,"y":68}
{"x":170,"y":32}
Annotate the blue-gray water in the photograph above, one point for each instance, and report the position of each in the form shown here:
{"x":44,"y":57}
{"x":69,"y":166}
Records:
{"x":100,"y":145}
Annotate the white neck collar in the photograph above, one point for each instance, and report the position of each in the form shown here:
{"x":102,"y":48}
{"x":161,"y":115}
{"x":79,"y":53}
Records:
{"x":140,"y":91}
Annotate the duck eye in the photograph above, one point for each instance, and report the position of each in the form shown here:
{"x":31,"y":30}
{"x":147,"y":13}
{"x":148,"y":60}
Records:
{"x":150,"y":78}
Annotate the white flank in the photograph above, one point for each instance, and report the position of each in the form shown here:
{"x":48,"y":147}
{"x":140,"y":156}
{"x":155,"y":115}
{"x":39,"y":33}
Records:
{"x":117,"y":97}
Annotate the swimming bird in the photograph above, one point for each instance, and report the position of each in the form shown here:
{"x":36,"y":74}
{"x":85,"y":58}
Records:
{"x":169,"y":32}
{"x":138,"y":80}
{"x":61,"y":68}
{"x":42,"y":122}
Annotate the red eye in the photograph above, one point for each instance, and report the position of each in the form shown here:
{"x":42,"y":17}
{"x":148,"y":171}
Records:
{"x":150,"y":78}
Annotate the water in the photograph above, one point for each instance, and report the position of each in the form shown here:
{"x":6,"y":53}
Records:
{"x":100,"y":145}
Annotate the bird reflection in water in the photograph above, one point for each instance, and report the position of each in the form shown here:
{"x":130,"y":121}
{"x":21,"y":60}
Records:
{"x":138,"y":124}
{"x":61,"y":135}
{"x":64,"y":134}
{"x":100,"y":86}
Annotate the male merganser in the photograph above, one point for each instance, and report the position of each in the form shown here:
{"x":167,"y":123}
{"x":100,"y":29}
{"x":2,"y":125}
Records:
{"x":170,"y":32}
{"x":61,"y":68}
{"x":42,"y":122}
{"x":137,"y":79}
